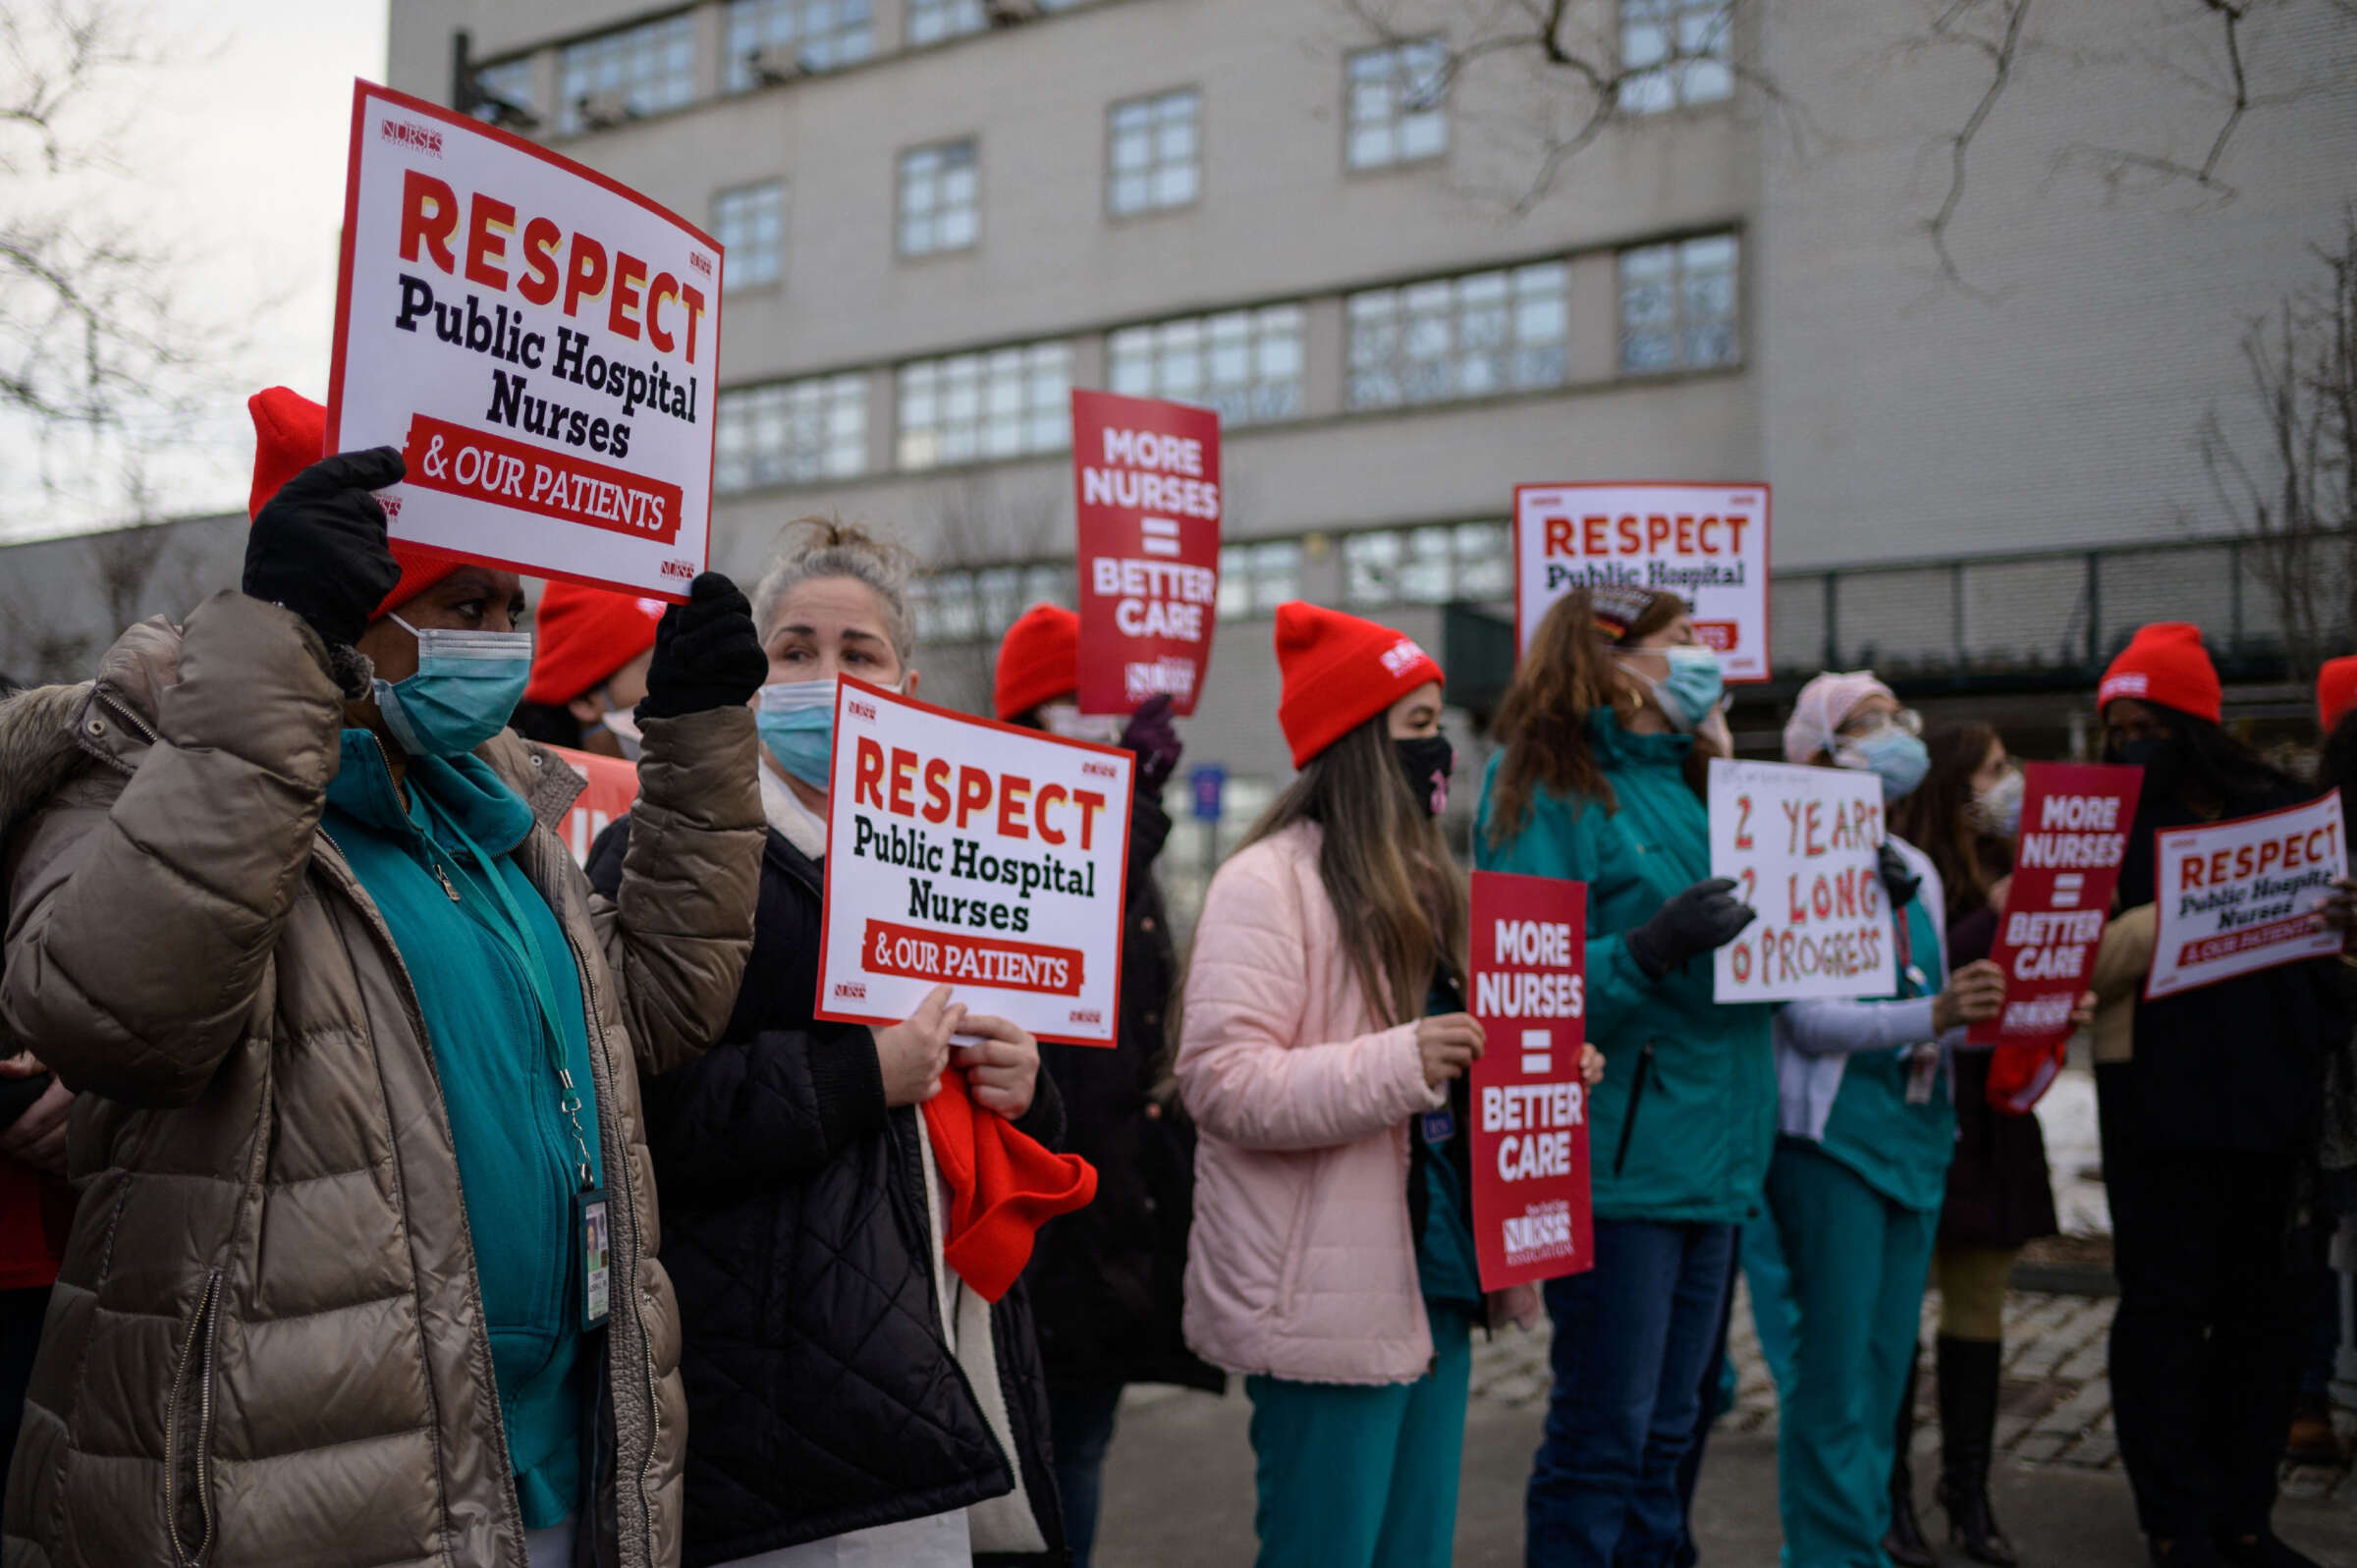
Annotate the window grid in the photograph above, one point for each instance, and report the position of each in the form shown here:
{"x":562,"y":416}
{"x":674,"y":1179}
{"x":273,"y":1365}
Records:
{"x":1679,"y":305}
{"x":1255,"y":578}
{"x":510,"y":82}
{"x":818,"y":34}
{"x":1436,"y":563}
{"x":791,"y":432}
{"x":968,"y":408}
{"x":1248,"y":364}
{"x":649,"y":68}
{"x":931,"y":21}
{"x":1398,"y":108}
{"x":1675,"y":53}
{"x":1475,"y":335}
{"x":750,"y":224}
{"x":974,"y":606}
{"x":939,"y":198}
{"x":1154,"y":153}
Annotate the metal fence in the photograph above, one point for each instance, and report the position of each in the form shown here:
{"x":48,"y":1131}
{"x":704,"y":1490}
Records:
{"x":2050,"y":615}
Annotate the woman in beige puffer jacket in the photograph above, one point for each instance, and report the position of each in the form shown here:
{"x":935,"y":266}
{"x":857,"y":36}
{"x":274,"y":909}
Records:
{"x":266,"y":1345}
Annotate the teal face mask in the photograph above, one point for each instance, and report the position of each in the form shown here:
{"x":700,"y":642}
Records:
{"x":1893,"y":755}
{"x":1692,"y":688}
{"x":797,"y":722}
{"x":467,"y":686}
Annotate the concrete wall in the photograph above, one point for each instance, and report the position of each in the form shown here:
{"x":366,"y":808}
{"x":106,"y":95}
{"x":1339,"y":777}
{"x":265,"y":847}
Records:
{"x":64,"y":601}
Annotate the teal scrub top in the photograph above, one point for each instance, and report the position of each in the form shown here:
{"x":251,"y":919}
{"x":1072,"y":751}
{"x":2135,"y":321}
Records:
{"x":518,"y":1162}
{"x":1900,"y":1150}
{"x":1446,"y":1269}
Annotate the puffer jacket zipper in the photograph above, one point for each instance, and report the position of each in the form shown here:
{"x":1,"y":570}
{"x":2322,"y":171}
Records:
{"x":196,"y":1360}
{"x":1636,"y":1102}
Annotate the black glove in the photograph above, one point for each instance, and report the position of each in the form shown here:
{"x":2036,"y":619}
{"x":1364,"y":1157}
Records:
{"x":1898,"y":881}
{"x":1701,"y":919}
{"x":1153,"y":739}
{"x":707,"y":654}
{"x":319,"y":546}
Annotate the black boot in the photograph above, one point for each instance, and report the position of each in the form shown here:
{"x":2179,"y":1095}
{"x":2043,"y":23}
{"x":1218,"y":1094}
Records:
{"x":1903,"y":1541}
{"x":1968,"y":1385}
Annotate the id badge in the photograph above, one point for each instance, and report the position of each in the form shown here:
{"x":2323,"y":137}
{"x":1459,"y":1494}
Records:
{"x":1921,"y":1066}
{"x":1438,"y":1127}
{"x":593,"y":1241}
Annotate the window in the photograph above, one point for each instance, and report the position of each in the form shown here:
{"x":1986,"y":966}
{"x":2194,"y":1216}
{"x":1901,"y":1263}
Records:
{"x":1675,"y":53}
{"x":939,"y":198}
{"x":503,"y":92}
{"x":1154,"y":156}
{"x":943,"y":605}
{"x":931,"y":21}
{"x":791,"y":432}
{"x":624,"y":74}
{"x":1004,"y":403}
{"x":1678,"y":305}
{"x":1435,"y":565}
{"x":750,"y":225}
{"x":1245,"y":363}
{"x":811,"y":35}
{"x":1472,"y":337}
{"x":1255,"y":578}
{"x":1397,"y":111}
{"x":973,"y":606}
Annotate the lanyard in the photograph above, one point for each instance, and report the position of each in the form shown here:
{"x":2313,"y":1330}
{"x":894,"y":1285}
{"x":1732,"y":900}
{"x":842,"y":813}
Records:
{"x":514,"y":933}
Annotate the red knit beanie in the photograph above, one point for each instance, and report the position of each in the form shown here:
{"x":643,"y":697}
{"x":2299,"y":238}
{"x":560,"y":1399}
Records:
{"x":582,"y":635}
{"x":2336,"y":691}
{"x":1039,"y":661}
{"x":2166,"y":662}
{"x":1338,"y":673}
{"x":1004,"y":1185}
{"x":290,"y":434}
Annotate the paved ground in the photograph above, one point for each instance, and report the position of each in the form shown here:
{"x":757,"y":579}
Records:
{"x":1178,"y":1487}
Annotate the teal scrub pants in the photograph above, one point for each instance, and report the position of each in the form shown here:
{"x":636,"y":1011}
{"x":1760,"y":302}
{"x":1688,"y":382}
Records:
{"x":1858,"y":1262}
{"x":1358,"y":1476}
{"x":1770,"y":1284}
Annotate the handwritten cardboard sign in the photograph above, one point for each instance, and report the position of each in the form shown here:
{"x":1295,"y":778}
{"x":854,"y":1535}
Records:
{"x":1531,"y":1215}
{"x":2067,"y":861}
{"x":1802,"y":846}
{"x":971,"y":852}
{"x":538,"y":340}
{"x":1706,"y":543}
{"x":1146,"y":477}
{"x":2243,"y":895}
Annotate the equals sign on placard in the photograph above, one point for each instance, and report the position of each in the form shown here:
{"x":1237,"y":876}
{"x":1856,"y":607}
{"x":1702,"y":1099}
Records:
{"x":1162,"y":535}
{"x":2069,"y":888}
{"x":1538,"y":1054}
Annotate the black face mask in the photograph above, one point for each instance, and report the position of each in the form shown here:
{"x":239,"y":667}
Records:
{"x":2162,"y":760}
{"x":1427,"y":761}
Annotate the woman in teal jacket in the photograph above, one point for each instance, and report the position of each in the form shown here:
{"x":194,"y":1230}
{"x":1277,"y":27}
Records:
{"x":1600,"y":780}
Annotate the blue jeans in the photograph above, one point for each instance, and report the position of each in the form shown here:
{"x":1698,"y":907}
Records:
{"x":1081,"y":1429}
{"x":1631,"y":1338}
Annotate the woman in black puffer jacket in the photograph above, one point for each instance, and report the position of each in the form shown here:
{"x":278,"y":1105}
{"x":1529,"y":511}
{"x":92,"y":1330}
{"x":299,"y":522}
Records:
{"x":840,"y":1380}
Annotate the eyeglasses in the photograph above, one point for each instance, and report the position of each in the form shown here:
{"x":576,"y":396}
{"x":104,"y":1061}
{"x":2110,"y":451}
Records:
{"x":1867,"y":726}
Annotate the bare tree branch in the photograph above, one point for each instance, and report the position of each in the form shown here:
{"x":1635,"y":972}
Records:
{"x":2001,"y":55}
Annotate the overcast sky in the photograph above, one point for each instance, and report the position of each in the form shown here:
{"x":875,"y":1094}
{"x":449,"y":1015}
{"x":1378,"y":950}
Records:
{"x":238,"y":152}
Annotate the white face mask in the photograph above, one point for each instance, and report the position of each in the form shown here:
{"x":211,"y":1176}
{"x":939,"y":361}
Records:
{"x":1065,"y":722}
{"x":618,"y":722}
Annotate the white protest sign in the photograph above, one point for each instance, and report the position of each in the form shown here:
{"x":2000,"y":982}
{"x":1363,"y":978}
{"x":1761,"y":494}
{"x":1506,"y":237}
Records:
{"x":538,"y":340}
{"x":965,"y":851}
{"x":2246,"y":895}
{"x":1801,"y":845}
{"x":1706,"y":543}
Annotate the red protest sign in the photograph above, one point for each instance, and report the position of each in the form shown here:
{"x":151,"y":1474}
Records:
{"x":612,"y":790}
{"x":2066,"y":860}
{"x":535,"y":337}
{"x":1146,"y":477}
{"x":1531,"y":1217}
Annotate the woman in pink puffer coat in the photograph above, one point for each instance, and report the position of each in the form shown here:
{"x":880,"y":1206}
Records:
{"x":1331,"y":1258}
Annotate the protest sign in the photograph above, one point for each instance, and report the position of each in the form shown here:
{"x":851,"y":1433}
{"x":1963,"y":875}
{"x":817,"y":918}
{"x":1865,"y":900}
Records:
{"x":611,"y":791}
{"x":2066,"y":860}
{"x":539,"y":343}
{"x":971,"y":852}
{"x":1147,"y":479}
{"x":1706,"y":543}
{"x":1802,"y":846}
{"x":1530,"y":1109}
{"x":2247,"y":894}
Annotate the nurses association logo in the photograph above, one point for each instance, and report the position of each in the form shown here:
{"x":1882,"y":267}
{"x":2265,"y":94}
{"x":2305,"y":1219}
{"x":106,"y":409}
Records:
{"x":1402,"y":656}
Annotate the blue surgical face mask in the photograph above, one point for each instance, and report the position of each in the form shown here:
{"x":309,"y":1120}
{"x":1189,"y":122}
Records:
{"x":1692,"y":688}
{"x":1893,"y":755}
{"x":467,"y":686}
{"x":796,"y":722}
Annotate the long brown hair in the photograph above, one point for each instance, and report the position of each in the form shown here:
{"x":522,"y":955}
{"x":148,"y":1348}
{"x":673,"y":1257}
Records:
{"x":1566,"y":673}
{"x":1938,"y":818}
{"x":1398,"y":899}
